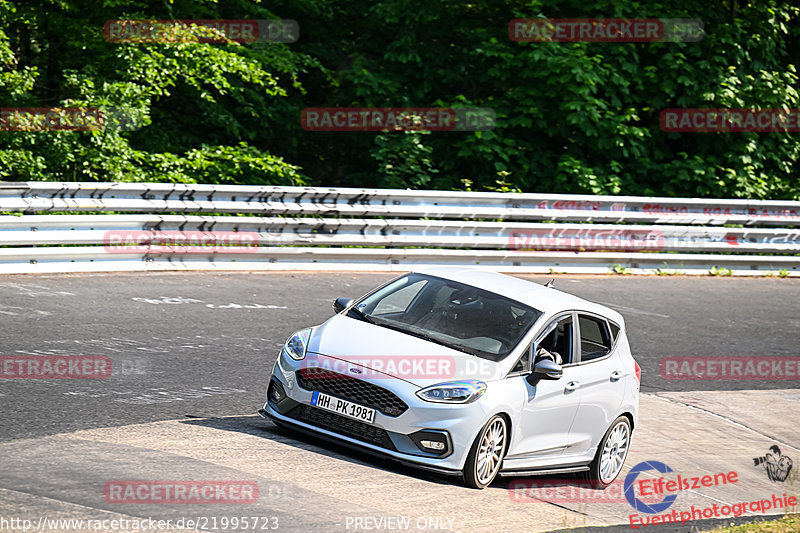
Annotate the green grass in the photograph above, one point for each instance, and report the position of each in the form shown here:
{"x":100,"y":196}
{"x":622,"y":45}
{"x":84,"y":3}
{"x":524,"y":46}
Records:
{"x":787,"y":524}
{"x":720,"y":271}
{"x":667,"y":272}
{"x":619,"y":269}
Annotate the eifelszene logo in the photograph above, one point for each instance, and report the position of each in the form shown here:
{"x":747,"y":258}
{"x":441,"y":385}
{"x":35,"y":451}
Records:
{"x":630,"y":495}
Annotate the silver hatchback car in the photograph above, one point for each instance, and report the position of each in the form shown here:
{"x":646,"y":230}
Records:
{"x":466,"y":372}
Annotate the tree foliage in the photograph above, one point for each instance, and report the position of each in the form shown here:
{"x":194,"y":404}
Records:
{"x":571,"y":117}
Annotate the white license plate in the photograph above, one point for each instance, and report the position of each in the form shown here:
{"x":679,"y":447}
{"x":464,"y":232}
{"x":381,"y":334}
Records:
{"x":343,"y":407}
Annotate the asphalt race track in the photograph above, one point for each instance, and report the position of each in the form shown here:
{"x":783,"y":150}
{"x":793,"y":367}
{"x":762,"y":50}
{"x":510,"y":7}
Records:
{"x":164,"y":349}
{"x":191,"y":354}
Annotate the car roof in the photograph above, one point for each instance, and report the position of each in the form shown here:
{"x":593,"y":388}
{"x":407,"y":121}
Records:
{"x":546,"y":299}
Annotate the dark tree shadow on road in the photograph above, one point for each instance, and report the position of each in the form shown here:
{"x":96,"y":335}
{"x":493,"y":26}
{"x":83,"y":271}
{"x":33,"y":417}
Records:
{"x":257,"y":426}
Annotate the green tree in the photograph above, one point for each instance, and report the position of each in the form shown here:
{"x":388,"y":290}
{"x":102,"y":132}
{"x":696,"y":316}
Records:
{"x":203,"y":105}
{"x":571,"y":117}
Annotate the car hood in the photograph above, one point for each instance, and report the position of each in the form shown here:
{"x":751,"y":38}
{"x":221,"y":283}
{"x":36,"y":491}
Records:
{"x":368,"y":351}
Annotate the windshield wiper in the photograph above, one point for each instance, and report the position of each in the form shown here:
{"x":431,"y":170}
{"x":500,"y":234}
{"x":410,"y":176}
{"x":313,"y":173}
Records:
{"x":463,"y":348}
{"x":423,"y":336}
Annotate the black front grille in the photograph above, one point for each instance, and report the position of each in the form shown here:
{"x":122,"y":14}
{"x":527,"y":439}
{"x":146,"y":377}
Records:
{"x":349,"y":388}
{"x":342,"y":425}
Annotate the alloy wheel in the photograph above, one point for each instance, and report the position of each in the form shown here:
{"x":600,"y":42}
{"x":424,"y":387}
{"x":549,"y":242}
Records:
{"x":490,"y":453}
{"x":614,"y":452}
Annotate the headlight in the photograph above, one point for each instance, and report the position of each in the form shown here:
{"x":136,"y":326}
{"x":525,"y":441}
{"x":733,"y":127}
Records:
{"x":297,"y":344}
{"x":453,"y":392}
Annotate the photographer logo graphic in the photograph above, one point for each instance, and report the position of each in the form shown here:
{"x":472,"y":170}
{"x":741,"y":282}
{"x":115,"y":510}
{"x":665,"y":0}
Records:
{"x":777,"y":465}
{"x":630,"y":495}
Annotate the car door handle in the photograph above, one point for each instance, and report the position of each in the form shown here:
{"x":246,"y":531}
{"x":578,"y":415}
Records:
{"x":572,"y":385}
{"x":615,"y":375}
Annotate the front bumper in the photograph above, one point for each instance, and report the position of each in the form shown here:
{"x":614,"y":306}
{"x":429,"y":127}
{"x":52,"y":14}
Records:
{"x":268,"y":413}
{"x":394,"y":437}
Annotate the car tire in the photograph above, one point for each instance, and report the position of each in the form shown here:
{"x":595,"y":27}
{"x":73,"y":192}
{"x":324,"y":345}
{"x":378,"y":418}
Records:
{"x":611,"y":454}
{"x":486,"y":455}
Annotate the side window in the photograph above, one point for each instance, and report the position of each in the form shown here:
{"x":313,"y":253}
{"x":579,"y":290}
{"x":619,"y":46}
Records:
{"x":522,"y":364}
{"x":595,"y":338}
{"x":399,"y":301}
{"x":614,"y":330}
{"x":557,"y":345}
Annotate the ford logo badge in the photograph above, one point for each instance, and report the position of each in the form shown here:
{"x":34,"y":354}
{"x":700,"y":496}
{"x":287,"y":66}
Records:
{"x":355,"y":370}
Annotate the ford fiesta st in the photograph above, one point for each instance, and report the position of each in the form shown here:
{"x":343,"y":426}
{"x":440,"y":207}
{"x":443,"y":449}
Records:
{"x":466,"y":372}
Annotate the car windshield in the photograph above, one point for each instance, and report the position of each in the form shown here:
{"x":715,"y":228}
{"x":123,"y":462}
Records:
{"x":450,"y":313}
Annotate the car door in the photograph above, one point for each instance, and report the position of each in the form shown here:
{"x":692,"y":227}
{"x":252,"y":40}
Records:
{"x":602,"y":388}
{"x":548,"y":407}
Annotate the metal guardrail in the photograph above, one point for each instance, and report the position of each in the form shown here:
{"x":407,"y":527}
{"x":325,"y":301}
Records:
{"x":320,"y":228}
{"x":36,"y":197}
{"x":295,"y":231}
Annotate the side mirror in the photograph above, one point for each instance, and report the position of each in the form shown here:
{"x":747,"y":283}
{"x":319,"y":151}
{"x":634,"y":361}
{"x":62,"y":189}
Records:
{"x":340,"y":304}
{"x":545,"y":369}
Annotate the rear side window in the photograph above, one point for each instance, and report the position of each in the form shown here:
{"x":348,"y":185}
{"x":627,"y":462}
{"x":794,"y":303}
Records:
{"x":614,"y":331}
{"x":595,"y":338}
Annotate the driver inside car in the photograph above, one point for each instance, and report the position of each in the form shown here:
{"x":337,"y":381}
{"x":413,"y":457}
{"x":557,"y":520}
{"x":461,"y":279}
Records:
{"x":547,"y":349}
